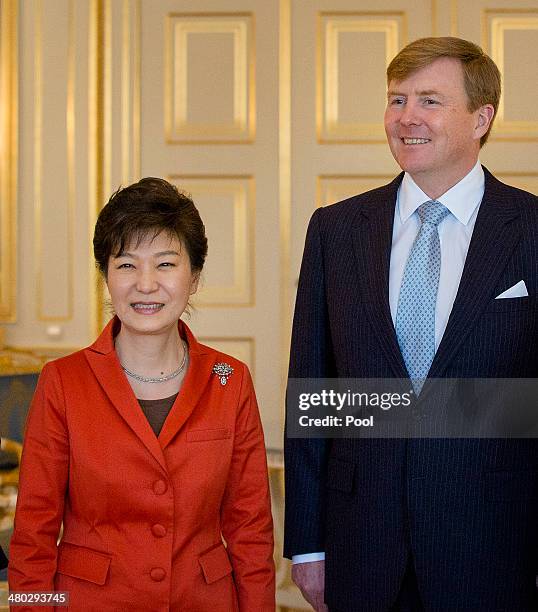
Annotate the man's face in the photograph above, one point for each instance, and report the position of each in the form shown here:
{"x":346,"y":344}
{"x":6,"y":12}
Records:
{"x":431,"y":133}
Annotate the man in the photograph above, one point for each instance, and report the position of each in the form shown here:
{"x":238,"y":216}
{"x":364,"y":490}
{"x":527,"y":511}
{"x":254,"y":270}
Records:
{"x":402,"y":281}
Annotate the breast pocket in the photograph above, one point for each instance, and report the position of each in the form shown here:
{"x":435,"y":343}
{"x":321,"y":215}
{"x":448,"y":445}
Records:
{"x":204,"y":435}
{"x":508,"y":305}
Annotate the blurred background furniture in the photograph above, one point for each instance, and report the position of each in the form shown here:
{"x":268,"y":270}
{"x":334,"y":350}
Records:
{"x":19,"y":371}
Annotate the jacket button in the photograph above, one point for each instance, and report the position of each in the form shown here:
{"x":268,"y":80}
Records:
{"x":159,"y":487}
{"x":157,"y":574}
{"x":158,"y":531}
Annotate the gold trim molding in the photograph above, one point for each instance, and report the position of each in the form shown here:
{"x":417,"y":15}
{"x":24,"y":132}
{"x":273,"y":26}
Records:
{"x":102,"y":120}
{"x":95,"y":151}
{"x":130,"y":91}
{"x":330,"y":128}
{"x":9,"y":111}
{"x":178,"y":127}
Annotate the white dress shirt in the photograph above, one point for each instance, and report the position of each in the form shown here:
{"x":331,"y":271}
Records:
{"x":455,"y":231}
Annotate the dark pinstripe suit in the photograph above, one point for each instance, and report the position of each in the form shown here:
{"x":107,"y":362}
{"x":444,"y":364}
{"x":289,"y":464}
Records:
{"x":465,"y":511}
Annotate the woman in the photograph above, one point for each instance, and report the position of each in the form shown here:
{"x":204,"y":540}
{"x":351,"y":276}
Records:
{"x":147,"y":445}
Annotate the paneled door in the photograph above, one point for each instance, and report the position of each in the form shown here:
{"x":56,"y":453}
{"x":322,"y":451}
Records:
{"x":209,"y":91}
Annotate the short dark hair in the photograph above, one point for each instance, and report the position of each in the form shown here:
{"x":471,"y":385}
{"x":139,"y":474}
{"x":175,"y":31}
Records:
{"x":481,"y":77}
{"x":148,"y":207}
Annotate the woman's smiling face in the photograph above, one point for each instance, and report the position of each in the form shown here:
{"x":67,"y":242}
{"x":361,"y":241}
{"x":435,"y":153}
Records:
{"x":150,"y":283}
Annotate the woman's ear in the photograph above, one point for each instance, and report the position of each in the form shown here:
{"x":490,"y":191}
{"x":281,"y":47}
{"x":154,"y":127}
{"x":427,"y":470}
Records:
{"x":194,"y":282}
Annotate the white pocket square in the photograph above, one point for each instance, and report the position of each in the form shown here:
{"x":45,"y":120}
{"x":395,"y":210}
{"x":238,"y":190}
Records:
{"x":517,"y":291}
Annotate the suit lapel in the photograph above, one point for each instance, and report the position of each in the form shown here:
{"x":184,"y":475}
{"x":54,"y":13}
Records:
{"x":372,"y":243}
{"x":104,"y":363}
{"x":493,"y":241}
{"x":201,"y":362}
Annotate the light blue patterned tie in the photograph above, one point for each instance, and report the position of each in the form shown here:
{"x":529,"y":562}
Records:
{"x":415,"y":317}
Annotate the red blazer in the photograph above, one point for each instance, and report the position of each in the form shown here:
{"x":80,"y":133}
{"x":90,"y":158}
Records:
{"x":144,"y":518}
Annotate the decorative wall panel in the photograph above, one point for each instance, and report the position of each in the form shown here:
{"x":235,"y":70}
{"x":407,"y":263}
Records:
{"x":354,"y":50}
{"x":508,"y":35}
{"x":54,"y":163}
{"x":209,"y":78}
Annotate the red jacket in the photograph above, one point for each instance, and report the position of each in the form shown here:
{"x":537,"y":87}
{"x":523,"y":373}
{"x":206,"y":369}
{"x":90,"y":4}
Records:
{"x":144,"y":517}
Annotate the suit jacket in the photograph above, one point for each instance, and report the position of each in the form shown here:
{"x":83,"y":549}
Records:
{"x":464,"y":510}
{"x":144,"y":518}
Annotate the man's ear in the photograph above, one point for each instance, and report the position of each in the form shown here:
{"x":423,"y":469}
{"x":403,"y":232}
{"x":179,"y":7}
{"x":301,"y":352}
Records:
{"x":484,"y":117}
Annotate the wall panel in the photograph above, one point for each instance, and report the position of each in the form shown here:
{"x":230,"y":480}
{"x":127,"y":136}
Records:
{"x":54,"y":167}
{"x":353,"y":52}
{"x":509,"y":36}
{"x":210,"y":77}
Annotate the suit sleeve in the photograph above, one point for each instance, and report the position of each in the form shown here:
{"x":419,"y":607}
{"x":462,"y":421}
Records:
{"x":247,"y":525}
{"x":311,"y":356}
{"x":42,"y":487}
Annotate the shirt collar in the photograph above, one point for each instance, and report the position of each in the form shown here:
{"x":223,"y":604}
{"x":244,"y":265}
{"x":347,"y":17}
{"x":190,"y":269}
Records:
{"x":461,"y":200}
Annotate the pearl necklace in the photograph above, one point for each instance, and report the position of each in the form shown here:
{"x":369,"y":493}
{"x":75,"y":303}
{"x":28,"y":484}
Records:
{"x":159,"y":379}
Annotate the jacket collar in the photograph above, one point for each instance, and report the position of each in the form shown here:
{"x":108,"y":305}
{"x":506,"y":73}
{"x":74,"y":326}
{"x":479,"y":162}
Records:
{"x":106,"y":367}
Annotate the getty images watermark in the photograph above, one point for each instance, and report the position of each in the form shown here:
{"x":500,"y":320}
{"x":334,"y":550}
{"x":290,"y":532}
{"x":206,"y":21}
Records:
{"x":390,"y":408}
{"x":348,"y":401}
